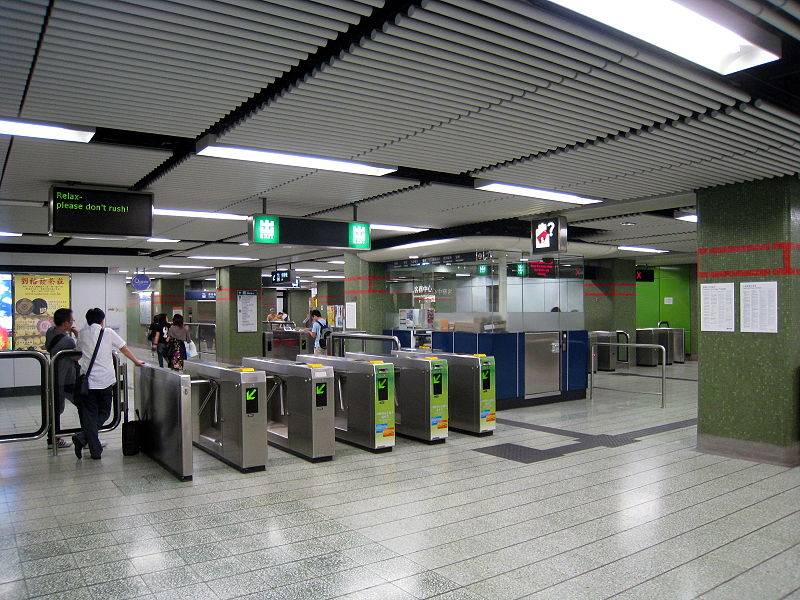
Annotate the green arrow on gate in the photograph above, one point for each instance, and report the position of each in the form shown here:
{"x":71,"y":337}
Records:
{"x":382,"y":383}
{"x":320,"y":388}
{"x":437,"y":378}
{"x":485,"y":374}
{"x":252,"y":393}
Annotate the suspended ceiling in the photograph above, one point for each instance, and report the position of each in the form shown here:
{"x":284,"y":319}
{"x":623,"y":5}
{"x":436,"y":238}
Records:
{"x":515,"y":91}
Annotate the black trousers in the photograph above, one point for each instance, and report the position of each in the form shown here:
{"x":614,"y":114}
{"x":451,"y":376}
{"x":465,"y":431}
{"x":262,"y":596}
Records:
{"x":93,"y":412}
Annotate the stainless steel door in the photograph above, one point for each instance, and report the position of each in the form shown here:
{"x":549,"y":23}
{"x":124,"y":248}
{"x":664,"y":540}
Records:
{"x":542,"y":363}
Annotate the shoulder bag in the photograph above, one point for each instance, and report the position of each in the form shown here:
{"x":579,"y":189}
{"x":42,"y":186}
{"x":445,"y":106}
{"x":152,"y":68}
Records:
{"x":82,"y":382}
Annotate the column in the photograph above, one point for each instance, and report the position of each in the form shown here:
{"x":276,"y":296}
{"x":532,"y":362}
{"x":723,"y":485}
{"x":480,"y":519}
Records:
{"x":609,"y":301}
{"x":232,"y":344}
{"x":168,"y":297}
{"x":748,"y":392}
{"x":365,"y":284}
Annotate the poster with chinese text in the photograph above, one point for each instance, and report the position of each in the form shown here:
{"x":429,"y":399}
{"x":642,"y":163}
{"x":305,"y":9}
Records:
{"x":36,"y":299}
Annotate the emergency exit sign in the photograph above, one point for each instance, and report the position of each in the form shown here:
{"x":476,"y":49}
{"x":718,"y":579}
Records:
{"x":270,"y":229}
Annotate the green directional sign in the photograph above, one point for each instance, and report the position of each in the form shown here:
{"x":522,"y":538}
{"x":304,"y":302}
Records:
{"x":483,"y":269}
{"x":251,"y":400}
{"x":321,"y":388}
{"x":437,"y":378}
{"x":321,"y":394}
{"x":298,"y":231}
{"x":382,"y":383}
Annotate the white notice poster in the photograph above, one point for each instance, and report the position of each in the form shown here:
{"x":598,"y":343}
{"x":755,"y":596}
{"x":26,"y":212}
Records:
{"x":758,"y":307}
{"x":350,"y":315}
{"x":717,"y":307}
{"x":246,"y":311}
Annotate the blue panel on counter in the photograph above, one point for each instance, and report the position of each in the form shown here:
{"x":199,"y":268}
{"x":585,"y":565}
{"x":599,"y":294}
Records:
{"x":442,"y":340}
{"x":575,"y":361}
{"x":465,"y":342}
{"x":404,"y":335}
{"x":505,"y":347}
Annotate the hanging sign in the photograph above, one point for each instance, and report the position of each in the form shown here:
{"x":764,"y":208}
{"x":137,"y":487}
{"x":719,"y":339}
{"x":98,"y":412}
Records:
{"x":140,"y":282}
{"x":270,"y":229}
{"x":100,"y":211}
{"x":549,"y":235}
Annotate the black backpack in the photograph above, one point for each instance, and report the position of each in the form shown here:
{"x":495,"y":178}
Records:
{"x":324,"y":333}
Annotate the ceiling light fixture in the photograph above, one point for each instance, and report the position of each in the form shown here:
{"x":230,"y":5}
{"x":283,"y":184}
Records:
{"x":627,"y":223}
{"x":462,"y":275}
{"x":413,"y":256}
{"x":195,"y":267}
{"x":46,"y":131}
{"x":9,"y":234}
{"x":689,"y":218}
{"x":519,"y":190}
{"x":401,"y":228}
{"x":160,"y":273}
{"x":328,"y":276}
{"x":290,"y":160}
{"x":209,"y":278}
{"x":244,"y":243}
{"x":676,"y":28}
{"x":421,"y":244}
{"x":336,"y":262}
{"x":162,"y":240}
{"x":219,"y":258}
{"x":198,"y":214}
{"x":311,"y":270}
{"x":641,"y":249}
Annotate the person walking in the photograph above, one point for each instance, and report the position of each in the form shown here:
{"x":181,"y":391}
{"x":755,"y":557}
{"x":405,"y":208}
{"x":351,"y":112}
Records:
{"x":158,"y":336}
{"x":318,"y":331}
{"x":177,"y":338}
{"x":97,"y":343}
{"x":58,"y":338}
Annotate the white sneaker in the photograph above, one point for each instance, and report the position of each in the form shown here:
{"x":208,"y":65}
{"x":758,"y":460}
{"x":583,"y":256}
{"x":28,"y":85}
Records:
{"x":103,"y":443}
{"x":63,"y":443}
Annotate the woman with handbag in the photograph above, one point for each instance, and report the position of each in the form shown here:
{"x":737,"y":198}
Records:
{"x":158,"y":336}
{"x":177,"y":338}
{"x":94,"y":388}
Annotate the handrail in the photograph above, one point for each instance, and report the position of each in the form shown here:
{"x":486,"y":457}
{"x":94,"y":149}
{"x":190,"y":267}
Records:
{"x":593,"y":354}
{"x":627,"y":341}
{"x":44,"y":363}
{"x":119,"y":398}
{"x":364,"y":337}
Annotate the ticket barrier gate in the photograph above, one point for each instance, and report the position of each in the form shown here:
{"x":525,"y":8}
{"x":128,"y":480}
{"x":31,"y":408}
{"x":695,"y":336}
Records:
{"x":229,"y":420}
{"x":164,"y":404}
{"x":472,"y":395}
{"x":364,"y":393}
{"x":421,"y":392}
{"x":299,"y":405}
{"x":286,"y":343}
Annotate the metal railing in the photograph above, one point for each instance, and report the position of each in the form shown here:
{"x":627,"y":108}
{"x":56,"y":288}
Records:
{"x":593,"y":354}
{"x":44,"y":365}
{"x":204,"y":337}
{"x":341,"y":336}
{"x":119,"y":402}
{"x":281,"y":324}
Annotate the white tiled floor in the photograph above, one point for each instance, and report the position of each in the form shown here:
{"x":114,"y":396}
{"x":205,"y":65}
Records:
{"x":651,"y":519}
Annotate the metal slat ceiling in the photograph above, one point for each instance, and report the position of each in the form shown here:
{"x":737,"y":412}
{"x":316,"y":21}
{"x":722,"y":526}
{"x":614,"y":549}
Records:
{"x":20,"y":24}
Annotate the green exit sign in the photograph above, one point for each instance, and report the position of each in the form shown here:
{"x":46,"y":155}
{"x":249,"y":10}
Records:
{"x":521,"y":269}
{"x":483,"y":269}
{"x":270,"y":229}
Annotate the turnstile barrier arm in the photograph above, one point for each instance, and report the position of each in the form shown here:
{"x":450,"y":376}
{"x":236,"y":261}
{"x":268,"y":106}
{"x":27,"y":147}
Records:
{"x":593,"y":351}
{"x":278,"y":386}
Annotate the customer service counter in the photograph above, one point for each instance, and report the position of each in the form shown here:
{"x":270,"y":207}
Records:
{"x":532,"y":367}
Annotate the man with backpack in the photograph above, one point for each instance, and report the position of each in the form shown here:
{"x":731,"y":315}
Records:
{"x":319,"y":331}
{"x":58,"y":338}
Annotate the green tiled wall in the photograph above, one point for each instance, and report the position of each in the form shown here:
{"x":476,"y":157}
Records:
{"x":374,"y":307}
{"x":232,"y":345}
{"x":749,"y":382}
{"x":611,"y":310}
{"x":674,"y":282}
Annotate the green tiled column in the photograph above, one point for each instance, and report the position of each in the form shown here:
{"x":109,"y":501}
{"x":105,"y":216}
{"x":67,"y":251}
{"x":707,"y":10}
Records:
{"x":232,"y":345}
{"x":169,"y":297}
{"x":329,"y":292}
{"x":609,"y":301}
{"x":365,"y":284}
{"x":748,"y":389}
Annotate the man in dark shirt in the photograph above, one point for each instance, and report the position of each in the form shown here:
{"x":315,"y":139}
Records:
{"x":58,"y":338}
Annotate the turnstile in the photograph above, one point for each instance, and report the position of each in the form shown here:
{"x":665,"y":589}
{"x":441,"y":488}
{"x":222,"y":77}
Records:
{"x":286,"y":343}
{"x":606,"y":355}
{"x":421,"y":385}
{"x":229,"y":417}
{"x":364,"y":394}
{"x":651,"y":357}
{"x":300,"y":407}
{"x":472,"y":391}
{"x":676,"y":335}
{"x":164,"y":405}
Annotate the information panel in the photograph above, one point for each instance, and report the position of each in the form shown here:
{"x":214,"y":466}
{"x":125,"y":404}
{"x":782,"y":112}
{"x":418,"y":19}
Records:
{"x":758,"y":302}
{"x":717,"y":308}
{"x":270,"y":229}
{"x":99,"y":211}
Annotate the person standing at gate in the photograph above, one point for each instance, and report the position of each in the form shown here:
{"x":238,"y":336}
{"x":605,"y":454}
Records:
{"x":58,"y":338}
{"x":98,"y":341}
{"x":177,"y":338}
{"x":319,"y":330}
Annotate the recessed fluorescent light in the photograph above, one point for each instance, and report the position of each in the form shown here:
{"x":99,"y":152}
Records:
{"x":305,"y":281}
{"x":627,"y":223}
{"x":462,"y":274}
{"x":311,"y":270}
{"x":9,"y":234}
{"x":244,"y":243}
{"x":163,"y":240}
{"x":413,"y":256}
{"x":219,"y":258}
{"x":328,"y":276}
{"x":293,"y":160}
{"x":124,"y":271}
{"x":402,"y":228}
{"x":53,"y":131}
{"x":689,"y":218}
{"x":209,"y":278}
{"x":421,"y":244}
{"x":195,"y":267}
{"x":641,"y":249}
{"x":518,"y":190}
{"x":677,"y":29}
{"x":88,"y":237}
{"x":198,"y":214}
{"x":160,"y":273}
{"x":336,"y":262}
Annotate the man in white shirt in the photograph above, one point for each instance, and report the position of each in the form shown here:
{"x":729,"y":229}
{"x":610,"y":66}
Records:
{"x":95,"y":409}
